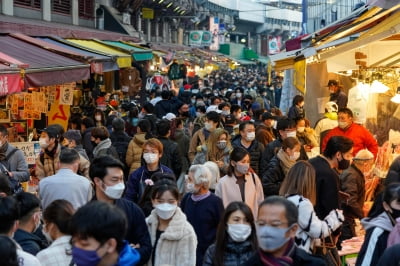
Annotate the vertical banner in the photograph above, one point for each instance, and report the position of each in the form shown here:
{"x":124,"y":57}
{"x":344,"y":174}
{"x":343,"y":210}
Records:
{"x":274,"y":44}
{"x":59,"y":113}
{"x":299,"y":80}
{"x":214,"y":29}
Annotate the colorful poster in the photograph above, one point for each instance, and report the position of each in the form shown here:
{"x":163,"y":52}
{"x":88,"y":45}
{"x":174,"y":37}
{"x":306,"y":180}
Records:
{"x":59,"y":113}
{"x":214,"y":29}
{"x":274,"y":44}
{"x":200,"y":38}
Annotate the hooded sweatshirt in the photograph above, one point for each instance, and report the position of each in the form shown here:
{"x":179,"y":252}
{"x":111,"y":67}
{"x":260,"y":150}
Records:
{"x":377,"y":232}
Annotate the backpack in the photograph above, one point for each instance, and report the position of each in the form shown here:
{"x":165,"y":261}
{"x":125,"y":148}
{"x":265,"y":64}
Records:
{"x":15,"y":185}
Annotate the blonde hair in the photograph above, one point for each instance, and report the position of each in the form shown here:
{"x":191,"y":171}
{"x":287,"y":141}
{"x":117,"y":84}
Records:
{"x":211,"y":143}
{"x":300,"y":180}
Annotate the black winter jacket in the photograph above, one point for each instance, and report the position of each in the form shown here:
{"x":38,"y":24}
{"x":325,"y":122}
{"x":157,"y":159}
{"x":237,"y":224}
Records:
{"x":236,"y":253}
{"x":273,"y":177}
{"x":256,"y":149}
{"x":29,"y":242}
{"x":171,"y":157}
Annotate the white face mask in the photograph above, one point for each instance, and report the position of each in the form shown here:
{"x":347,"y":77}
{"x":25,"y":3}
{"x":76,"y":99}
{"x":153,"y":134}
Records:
{"x":98,"y":117}
{"x":165,"y":210}
{"x":150,"y":157}
{"x":238,"y":94}
{"x":43,"y":143}
{"x":190,"y":187}
{"x":295,"y":156}
{"x":291,"y":134}
{"x":242,"y":168}
{"x":301,"y":129}
{"x":239,"y":232}
{"x":250,"y":136}
{"x":208,"y":126}
{"x":47,"y":236}
{"x":342,"y":125}
{"x":115,"y":192}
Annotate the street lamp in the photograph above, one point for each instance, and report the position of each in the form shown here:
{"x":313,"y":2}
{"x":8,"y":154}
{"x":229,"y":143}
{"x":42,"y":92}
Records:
{"x":243,"y":40}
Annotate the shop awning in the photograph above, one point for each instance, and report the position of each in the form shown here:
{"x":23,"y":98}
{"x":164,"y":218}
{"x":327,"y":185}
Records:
{"x":249,"y":54}
{"x":45,"y":68}
{"x":10,"y":76}
{"x":123,"y":59}
{"x":138,"y":54}
{"x":98,"y":63}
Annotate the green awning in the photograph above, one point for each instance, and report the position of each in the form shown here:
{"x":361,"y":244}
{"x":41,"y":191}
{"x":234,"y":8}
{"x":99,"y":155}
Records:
{"x":263,"y":59}
{"x":249,"y":54}
{"x":138,"y":54}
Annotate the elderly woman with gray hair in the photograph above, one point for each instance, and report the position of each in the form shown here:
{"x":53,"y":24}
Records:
{"x":203,"y":208}
{"x":352,"y":183}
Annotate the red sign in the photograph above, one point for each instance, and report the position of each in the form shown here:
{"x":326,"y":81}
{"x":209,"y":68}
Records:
{"x":10,"y":83}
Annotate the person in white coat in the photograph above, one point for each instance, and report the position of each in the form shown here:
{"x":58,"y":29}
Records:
{"x":172,"y":237}
{"x":299,"y":187}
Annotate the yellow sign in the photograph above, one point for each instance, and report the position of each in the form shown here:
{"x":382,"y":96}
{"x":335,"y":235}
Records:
{"x":59,"y":113}
{"x":299,"y":80}
{"x":147,"y":13}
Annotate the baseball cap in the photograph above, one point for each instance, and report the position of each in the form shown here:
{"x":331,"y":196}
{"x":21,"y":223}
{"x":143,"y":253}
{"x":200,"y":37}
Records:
{"x":213,"y":108}
{"x":332,"y":82}
{"x":364,"y":155}
{"x":51,"y":131}
{"x":169,"y":116}
{"x":73,"y":134}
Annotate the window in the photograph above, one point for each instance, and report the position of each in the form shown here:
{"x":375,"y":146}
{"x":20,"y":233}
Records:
{"x":61,"y":6}
{"x":86,"y":9}
{"x":28,"y":3}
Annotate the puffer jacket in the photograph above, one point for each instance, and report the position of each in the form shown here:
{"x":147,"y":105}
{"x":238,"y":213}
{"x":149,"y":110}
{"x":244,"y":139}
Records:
{"x":134,"y":152}
{"x":273,"y":177}
{"x":236,"y":253}
{"x":256,"y":149}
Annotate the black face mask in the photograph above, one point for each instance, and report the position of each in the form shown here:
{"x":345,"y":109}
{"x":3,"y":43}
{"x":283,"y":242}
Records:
{"x":94,"y":144}
{"x":185,"y":114}
{"x":395,"y":214}
{"x":343,"y":164}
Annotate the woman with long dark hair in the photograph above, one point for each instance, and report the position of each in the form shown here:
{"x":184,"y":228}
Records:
{"x":236,"y":238}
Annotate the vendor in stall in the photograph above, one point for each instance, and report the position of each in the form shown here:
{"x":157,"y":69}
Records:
{"x":337,"y":95}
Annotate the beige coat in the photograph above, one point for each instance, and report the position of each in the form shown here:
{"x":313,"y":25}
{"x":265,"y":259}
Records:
{"x":134,"y":152}
{"x":229,"y":191}
{"x":177,"y":245}
{"x":198,"y":139}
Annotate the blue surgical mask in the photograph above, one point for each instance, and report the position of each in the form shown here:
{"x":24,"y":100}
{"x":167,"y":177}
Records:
{"x":83,"y":257}
{"x":135,"y":121}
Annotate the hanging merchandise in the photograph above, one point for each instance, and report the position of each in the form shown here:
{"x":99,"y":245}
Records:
{"x":130,"y":80}
{"x":174,"y":71}
{"x":182,"y":71}
{"x":358,"y":99}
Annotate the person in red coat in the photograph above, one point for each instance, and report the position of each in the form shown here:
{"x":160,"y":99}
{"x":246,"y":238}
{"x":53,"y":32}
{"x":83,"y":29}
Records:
{"x":361,"y":137}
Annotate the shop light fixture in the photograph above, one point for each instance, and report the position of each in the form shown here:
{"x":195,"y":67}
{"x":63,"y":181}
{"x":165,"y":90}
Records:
{"x":396,"y":98}
{"x":378,"y":87}
{"x":170,"y":4}
{"x":177,"y":8}
{"x":160,"y":1}
{"x":182,"y":12}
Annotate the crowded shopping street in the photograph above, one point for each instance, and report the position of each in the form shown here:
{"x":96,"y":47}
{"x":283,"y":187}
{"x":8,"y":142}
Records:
{"x":199,"y":133}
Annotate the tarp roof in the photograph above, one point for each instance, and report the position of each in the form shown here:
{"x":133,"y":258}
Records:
{"x":41,"y":62}
{"x":138,"y":54}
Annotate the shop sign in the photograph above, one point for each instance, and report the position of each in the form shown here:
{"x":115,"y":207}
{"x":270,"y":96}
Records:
{"x":147,"y":13}
{"x":96,"y":67}
{"x":200,"y":38}
{"x":30,"y":149}
{"x":59,"y":113}
{"x":9,"y":84}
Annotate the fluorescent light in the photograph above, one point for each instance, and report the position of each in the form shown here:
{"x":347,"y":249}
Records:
{"x":177,"y":8}
{"x":170,"y":4}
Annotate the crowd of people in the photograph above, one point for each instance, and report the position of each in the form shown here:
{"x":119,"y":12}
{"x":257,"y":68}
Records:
{"x":210,"y":173}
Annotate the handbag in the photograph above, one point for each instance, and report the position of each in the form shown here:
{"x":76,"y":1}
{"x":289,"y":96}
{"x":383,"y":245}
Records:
{"x":328,"y":252}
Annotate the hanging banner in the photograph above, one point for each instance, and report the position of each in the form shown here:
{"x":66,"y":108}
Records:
{"x":10,"y":83}
{"x":214,"y":29}
{"x":274,"y":44}
{"x":200,"y":38}
{"x":299,"y":80}
{"x":59,"y":113}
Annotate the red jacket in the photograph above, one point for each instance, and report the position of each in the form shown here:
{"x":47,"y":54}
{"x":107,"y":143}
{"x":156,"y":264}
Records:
{"x":361,"y":137}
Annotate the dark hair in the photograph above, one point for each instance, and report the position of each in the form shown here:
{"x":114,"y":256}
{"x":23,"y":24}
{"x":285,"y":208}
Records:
{"x":297,"y":99}
{"x":100,"y":132}
{"x":162,"y":186}
{"x":221,"y":240}
{"x":391,"y":192}
{"x":145,"y":127}
{"x":8,"y":252}
{"x":59,"y":129}
{"x":59,"y":212}
{"x":77,"y":120}
{"x":337,"y":144}
{"x":109,"y":120}
{"x":237,"y":154}
{"x":243,"y":125}
{"x":3,"y":130}
{"x":100,"y":220}
{"x":98,"y":167}
{"x":148,"y":107}
{"x":346,"y":110}
{"x":118,"y":124}
{"x":290,"y":143}
{"x":5,"y":184}
{"x":165,"y":95}
{"x":213,"y":116}
{"x":88,"y":122}
{"x":69,"y":156}
{"x":213,"y":98}
{"x":28,"y":203}
{"x":9,"y":213}
{"x":201,"y":108}
{"x":145,"y":200}
{"x":103,"y":116}
{"x":224,"y":104}
{"x":163,"y":126}
{"x":291,"y":211}
{"x":285,"y":123}
{"x":235,"y":108}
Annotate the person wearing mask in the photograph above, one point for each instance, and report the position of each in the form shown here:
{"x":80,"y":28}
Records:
{"x":265,"y":132}
{"x":379,"y":224}
{"x":200,"y":119}
{"x":336,"y":94}
{"x":296,"y":111}
{"x":134,"y":151}
{"x":216,"y":149}
{"x":66,"y":184}
{"x":198,"y":202}
{"x":152,"y":153}
{"x":233,"y":119}
{"x":299,"y":187}
{"x":29,"y":222}
{"x":183,"y":114}
{"x":132,"y":120}
{"x":98,"y":232}
{"x":172,"y":236}
{"x":73,"y":140}
{"x":280,"y":165}
{"x":12,"y":161}
{"x":102,"y":143}
{"x":199,"y":138}
{"x":361,"y":137}
{"x":86,"y":130}
{"x":171,"y":156}
{"x":329,"y":121}
{"x":352,"y":182}
{"x":306,"y":135}
{"x":56,"y":218}
{"x":247,"y":140}
{"x":148,"y":114}
{"x":108,"y":178}
{"x":9,"y":216}
{"x":276,"y":230}
{"x":236,"y":239}
{"x":99,"y":118}
{"x":241,"y":183}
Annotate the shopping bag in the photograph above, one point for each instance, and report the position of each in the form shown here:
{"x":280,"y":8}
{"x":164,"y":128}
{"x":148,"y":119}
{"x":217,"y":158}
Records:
{"x":327,"y":251}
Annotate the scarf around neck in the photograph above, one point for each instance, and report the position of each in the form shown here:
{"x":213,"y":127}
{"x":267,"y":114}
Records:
{"x":285,"y":260}
{"x":285,"y":161}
